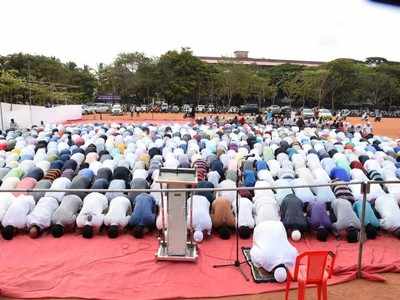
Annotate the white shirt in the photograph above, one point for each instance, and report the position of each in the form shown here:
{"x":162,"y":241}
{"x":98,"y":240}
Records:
{"x":245,"y":212}
{"x":372,"y":164}
{"x":321,"y":175}
{"x":42,"y":213}
{"x":266,"y":209}
{"x":282,"y":193}
{"x":387,"y":207}
{"x":306,"y":175}
{"x":266,"y":192}
{"x":18,"y":211}
{"x":201,"y":219}
{"x":229,"y":195}
{"x":92,"y":210}
{"x":271,"y":246}
{"x":274,"y":167}
{"x":118,"y":212}
{"x":265,"y":175}
{"x":214,"y":178}
{"x":59,"y":183}
{"x":5,"y":201}
{"x":304,"y":193}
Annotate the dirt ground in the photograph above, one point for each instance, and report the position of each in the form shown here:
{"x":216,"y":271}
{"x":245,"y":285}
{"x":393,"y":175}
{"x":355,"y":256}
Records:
{"x":388,"y":126}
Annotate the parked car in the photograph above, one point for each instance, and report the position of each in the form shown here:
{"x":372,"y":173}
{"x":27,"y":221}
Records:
{"x":325,"y":114}
{"x":249,"y":109}
{"x":200,"y":108}
{"x":102,"y":108}
{"x":186,"y":108}
{"x":175,"y":108}
{"x":345,"y":112}
{"x":275,"y":109}
{"x":116,"y":110}
{"x":144,"y":108}
{"x":307,"y":113}
{"x":286,"y":111}
{"x":210,"y":108}
{"x":164,"y":107}
{"x":233,"y":110}
{"x":88,"y":109}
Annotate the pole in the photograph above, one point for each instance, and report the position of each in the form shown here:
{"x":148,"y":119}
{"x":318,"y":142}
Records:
{"x":163,"y":217}
{"x":30,"y":93}
{"x":364,"y":190}
{"x":2,"y":120}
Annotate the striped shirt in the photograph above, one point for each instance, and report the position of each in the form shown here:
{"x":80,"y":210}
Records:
{"x":342,"y":191}
{"x":52,"y":174}
{"x":202,"y":169}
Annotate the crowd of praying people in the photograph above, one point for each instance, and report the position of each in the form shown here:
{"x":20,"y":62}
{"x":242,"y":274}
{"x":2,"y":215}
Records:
{"x":126,"y":156}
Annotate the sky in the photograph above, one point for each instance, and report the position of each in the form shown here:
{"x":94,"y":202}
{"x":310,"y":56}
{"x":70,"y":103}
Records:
{"x":94,"y":31}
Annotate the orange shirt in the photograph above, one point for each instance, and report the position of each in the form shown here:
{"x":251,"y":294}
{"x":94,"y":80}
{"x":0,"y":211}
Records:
{"x":221,"y":213}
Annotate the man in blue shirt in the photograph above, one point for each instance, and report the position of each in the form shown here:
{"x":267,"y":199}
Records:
{"x":371,"y":222}
{"x":144,"y":215}
{"x":340,"y":174}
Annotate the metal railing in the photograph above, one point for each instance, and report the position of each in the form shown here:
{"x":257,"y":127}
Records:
{"x":364,"y":187}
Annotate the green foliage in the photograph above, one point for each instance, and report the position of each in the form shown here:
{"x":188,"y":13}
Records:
{"x":179,"y":77}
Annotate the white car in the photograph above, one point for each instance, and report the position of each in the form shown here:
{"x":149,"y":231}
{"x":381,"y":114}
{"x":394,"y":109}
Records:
{"x":164,"y":107}
{"x":325,"y":114}
{"x":175,"y":108}
{"x":116,"y":110}
{"x":144,"y":108}
{"x":201,"y":108}
{"x":102,"y":108}
{"x":186,"y":108}
{"x":233,"y":110}
{"x":88,"y":109}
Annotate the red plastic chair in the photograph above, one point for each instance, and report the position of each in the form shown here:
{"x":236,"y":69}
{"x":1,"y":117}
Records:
{"x":313,"y":267}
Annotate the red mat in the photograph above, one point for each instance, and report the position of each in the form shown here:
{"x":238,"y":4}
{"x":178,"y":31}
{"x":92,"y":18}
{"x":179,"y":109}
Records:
{"x":125,"y":268}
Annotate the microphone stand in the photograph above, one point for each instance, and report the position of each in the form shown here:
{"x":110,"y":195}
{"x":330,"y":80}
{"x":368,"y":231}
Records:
{"x":236,"y":263}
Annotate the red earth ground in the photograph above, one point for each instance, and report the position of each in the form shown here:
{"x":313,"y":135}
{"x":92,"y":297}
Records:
{"x":388,"y":126}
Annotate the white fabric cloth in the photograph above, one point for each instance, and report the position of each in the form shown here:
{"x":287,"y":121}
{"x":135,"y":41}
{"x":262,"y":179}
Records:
{"x":387,"y":206}
{"x":92,"y":212}
{"x":59,"y":183}
{"x":119,"y":212}
{"x":271,"y":246}
{"x":18,"y":212}
{"x":245,"y":213}
{"x":266,"y":209}
{"x":5,"y":201}
{"x":42,"y":213}
{"x":229,"y":195}
{"x":201,"y":214}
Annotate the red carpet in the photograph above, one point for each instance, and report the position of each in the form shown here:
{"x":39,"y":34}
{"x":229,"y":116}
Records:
{"x":125,"y":268}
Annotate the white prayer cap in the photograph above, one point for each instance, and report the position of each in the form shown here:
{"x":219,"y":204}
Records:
{"x":296,"y":236}
{"x":44,"y":165}
{"x":198,"y":236}
{"x":280,"y":274}
{"x":95,"y":166}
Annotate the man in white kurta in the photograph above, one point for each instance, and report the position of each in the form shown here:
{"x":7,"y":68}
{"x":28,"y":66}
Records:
{"x":271,"y":248}
{"x":246,"y":220}
{"x":386,"y":205}
{"x":16,"y":216}
{"x":118,"y":215}
{"x":5,"y":201}
{"x":201,"y":217}
{"x":266,"y":208}
{"x":40,"y":218}
{"x":91,"y":216}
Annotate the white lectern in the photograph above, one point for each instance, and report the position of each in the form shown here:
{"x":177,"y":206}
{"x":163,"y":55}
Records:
{"x":174,"y":243}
